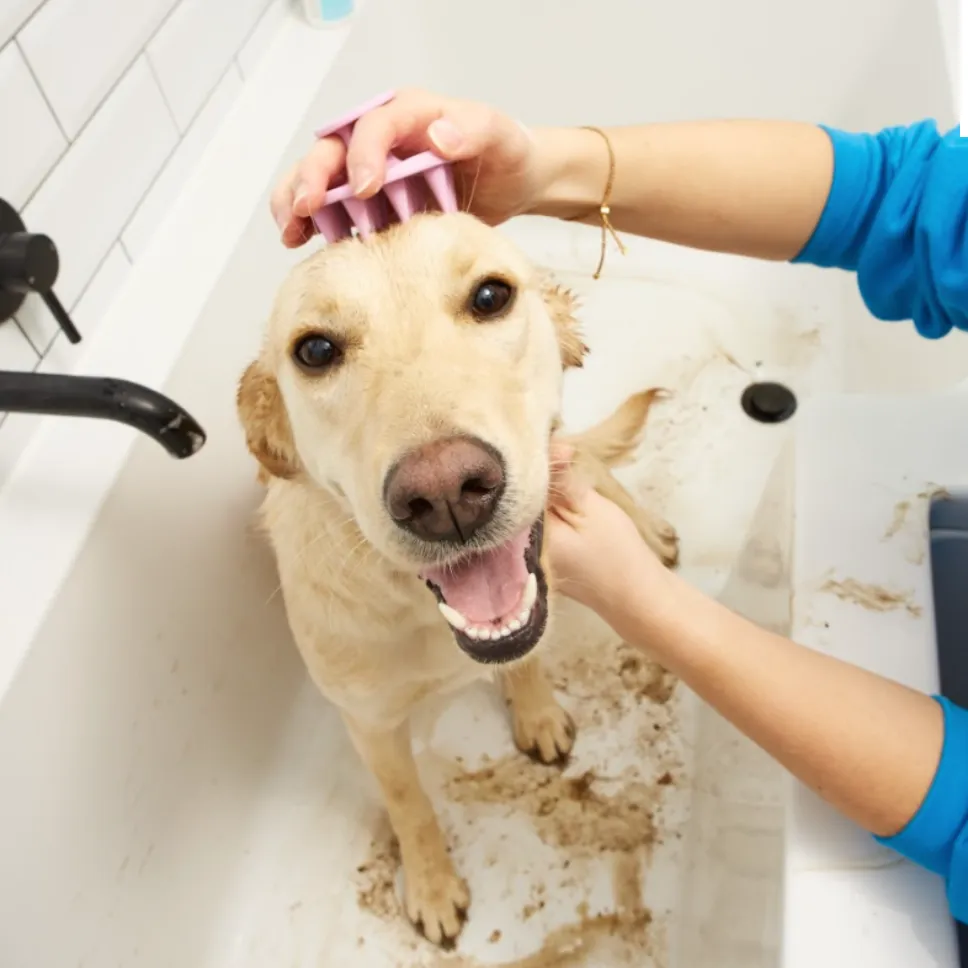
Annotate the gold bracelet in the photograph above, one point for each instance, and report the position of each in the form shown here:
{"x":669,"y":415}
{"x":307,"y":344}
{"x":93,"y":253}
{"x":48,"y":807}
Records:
{"x":604,"y":210}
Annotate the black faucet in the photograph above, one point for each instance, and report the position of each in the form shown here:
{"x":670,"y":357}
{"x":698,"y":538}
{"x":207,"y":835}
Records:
{"x":29,"y":263}
{"x":106,"y":398}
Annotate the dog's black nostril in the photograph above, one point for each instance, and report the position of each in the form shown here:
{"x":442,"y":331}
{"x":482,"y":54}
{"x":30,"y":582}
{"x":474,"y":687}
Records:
{"x":420,"y":508}
{"x":475,"y":487}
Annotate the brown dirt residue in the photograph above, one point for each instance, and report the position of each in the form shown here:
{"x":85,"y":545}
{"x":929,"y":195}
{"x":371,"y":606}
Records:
{"x":810,"y":337}
{"x":935,"y":492}
{"x":622,"y":938}
{"x":568,"y":811}
{"x":897,"y":521}
{"x":627,"y":883}
{"x":873,"y":597}
{"x":762,"y":563}
{"x":643,"y":678}
{"x":608,"y":674}
{"x":608,"y":809}
{"x":376,"y":889}
{"x":608,"y":939}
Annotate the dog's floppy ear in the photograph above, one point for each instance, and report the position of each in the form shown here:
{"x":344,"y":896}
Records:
{"x":561,"y":303}
{"x":263,"y":415}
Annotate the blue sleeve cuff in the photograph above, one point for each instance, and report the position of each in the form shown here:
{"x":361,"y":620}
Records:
{"x":897,"y":214}
{"x":937,"y":836}
{"x":845,"y":223}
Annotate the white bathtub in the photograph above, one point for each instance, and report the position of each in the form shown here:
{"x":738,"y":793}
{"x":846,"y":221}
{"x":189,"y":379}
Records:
{"x":174,"y":791}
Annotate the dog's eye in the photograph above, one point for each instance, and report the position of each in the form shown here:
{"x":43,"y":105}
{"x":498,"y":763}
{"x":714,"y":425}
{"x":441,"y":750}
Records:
{"x":315,"y":352}
{"x":490,"y":298}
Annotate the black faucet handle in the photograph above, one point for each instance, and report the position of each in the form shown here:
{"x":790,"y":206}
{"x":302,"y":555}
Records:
{"x":60,"y":314}
{"x":29,"y":263}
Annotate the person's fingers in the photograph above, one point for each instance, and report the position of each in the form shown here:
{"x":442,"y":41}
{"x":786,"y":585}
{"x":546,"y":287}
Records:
{"x":404,"y":120}
{"x":301,"y":191}
{"x":416,"y":121}
{"x":566,"y":488}
{"x":297,"y":232}
{"x":315,"y":174}
{"x":280,"y":201}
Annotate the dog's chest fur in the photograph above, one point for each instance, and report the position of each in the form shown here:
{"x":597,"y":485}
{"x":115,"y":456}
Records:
{"x":370,"y":634}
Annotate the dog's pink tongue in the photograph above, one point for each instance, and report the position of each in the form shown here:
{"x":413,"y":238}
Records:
{"x":488,"y":586}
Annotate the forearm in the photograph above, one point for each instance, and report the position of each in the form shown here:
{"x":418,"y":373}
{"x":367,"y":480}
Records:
{"x":867,"y":745}
{"x":754,"y":188}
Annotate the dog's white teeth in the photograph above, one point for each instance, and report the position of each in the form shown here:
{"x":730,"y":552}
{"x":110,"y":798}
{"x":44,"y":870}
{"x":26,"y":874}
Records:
{"x":530,"y":593}
{"x":453,"y":617}
{"x":489,"y":634}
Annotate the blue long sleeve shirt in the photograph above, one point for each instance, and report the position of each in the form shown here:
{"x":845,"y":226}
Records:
{"x":897,"y":215}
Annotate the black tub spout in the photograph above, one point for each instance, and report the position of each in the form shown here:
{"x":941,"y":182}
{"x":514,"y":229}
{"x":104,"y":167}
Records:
{"x":103,"y":398}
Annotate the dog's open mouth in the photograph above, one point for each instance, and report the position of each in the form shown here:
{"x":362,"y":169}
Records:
{"x":496,"y":601}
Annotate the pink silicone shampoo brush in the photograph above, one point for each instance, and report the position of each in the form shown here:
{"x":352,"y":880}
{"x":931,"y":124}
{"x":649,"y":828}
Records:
{"x":421,"y":183}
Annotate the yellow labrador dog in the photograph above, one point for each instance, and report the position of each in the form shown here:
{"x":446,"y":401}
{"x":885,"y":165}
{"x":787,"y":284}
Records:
{"x":401,"y":409}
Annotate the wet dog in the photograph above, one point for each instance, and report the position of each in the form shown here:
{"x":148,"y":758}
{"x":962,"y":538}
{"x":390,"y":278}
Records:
{"x":402,"y":409}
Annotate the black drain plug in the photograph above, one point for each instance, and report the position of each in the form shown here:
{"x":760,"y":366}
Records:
{"x":768,"y":402}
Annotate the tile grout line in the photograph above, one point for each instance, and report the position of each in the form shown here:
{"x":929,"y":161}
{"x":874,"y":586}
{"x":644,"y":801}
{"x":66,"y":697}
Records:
{"x":258,"y":20}
{"x":30,"y":16}
{"x":142,"y":52}
{"x":164,"y":97}
{"x":43,"y":94}
{"x":171,"y":154}
{"x":161,"y":23}
{"x":84,"y":126}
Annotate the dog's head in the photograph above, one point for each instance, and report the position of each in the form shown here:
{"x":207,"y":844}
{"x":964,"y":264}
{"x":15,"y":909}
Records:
{"x":418,"y":375}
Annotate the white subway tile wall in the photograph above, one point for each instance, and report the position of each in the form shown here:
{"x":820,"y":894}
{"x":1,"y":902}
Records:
{"x":195,"y":45}
{"x":163,"y":192}
{"x":108,"y":105}
{"x":78,"y":50}
{"x":87,"y":199}
{"x":261,"y":37}
{"x":31,"y":130}
{"x":13,"y":15}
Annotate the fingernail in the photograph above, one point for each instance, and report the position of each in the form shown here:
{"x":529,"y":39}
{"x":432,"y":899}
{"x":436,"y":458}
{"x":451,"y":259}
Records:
{"x":445,"y":135}
{"x":299,"y":197}
{"x":361,"y":179}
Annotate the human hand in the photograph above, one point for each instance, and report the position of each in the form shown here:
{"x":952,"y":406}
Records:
{"x":596,"y":553}
{"x":494,"y":158}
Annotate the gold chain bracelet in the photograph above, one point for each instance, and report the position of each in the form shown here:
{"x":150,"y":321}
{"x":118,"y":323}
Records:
{"x":604,"y":210}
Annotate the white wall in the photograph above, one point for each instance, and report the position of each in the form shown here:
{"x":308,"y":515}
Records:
{"x":105,"y":108}
{"x":948,"y":11}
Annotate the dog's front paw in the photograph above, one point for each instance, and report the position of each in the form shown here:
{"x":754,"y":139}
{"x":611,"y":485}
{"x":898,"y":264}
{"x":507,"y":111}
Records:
{"x":545,"y":732}
{"x":665,"y":542}
{"x":437,"y":900}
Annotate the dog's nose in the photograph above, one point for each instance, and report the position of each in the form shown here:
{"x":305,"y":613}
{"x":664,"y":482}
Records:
{"x":446,"y":490}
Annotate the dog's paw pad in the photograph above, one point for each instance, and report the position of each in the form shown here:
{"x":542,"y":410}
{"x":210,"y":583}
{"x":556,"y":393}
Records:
{"x":437,"y":905}
{"x":547,"y":734}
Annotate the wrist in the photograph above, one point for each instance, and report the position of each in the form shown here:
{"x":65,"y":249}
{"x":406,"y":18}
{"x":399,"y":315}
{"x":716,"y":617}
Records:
{"x":647,"y":609}
{"x":571,"y":172}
